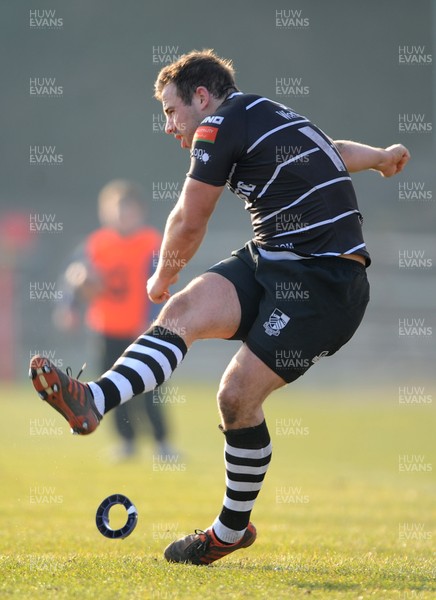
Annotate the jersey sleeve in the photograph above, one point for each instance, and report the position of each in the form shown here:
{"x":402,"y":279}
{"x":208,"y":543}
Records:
{"x":218,"y":143}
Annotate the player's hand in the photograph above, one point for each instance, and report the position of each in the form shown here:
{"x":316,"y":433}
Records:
{"x":394,"y":160}
{"x":157,"y":288}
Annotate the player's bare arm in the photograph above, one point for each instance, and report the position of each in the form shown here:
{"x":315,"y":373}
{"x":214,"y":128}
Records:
{"x":360,"y":157}
{"x":185,"y":229}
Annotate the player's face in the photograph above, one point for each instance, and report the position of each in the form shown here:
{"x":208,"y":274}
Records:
{"x":182,"y":119}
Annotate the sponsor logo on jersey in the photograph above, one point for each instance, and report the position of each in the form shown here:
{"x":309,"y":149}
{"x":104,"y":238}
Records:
{"x":205,"y":133}
{"x":216,"y":120}
{"x":276,"y":322}
{"x":287,"y":114}
{"x":201,"y":155}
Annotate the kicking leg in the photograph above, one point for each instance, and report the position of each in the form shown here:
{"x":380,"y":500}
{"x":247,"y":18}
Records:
{"x":207,"y":308}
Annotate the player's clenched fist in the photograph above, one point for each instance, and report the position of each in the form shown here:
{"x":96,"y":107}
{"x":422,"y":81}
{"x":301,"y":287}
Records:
{"x":394,"y":160}
{"x":157,"y":288}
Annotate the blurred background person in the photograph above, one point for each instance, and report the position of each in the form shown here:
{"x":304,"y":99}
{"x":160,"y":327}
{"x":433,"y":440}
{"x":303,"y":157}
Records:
{"x":108,"y":274}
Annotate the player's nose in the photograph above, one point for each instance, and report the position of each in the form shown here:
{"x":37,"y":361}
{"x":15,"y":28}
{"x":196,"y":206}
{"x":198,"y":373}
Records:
{"x":169,"y":126}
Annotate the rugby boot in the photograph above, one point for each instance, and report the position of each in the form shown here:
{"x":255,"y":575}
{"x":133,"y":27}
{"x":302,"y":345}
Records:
{"x":203,"y":548}
{"x":70,"y":397}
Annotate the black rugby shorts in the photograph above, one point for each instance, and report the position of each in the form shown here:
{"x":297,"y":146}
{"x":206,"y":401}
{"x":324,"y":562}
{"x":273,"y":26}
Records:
{"x":295,"y":312}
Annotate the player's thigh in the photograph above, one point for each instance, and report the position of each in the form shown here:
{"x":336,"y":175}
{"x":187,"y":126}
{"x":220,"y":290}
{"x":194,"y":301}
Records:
{"x":208,"y":307}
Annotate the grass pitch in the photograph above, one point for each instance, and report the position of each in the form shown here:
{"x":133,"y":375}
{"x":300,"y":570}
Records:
{"x":347,"y":509}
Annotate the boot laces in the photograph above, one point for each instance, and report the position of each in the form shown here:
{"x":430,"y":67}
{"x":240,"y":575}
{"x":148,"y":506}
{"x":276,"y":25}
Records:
{"x":200,"y":546}
{"x":69,"y":371}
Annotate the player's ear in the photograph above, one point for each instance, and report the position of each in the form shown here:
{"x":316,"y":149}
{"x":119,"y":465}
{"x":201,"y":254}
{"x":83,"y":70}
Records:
{"x":203,"y":96}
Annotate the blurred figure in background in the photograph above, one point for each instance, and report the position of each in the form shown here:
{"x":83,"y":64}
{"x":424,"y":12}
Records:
{"x":108,"y":273}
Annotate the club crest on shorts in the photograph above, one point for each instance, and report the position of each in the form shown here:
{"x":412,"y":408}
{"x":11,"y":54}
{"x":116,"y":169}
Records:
{"x":276,"y":322}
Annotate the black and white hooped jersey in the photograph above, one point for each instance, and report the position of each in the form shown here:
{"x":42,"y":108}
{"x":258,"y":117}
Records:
{"x":288,"y":172}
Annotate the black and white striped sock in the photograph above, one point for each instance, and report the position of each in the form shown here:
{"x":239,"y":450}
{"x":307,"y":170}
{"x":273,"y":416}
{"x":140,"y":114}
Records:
{"x":247,"y":454}
{"x":145,"y":364}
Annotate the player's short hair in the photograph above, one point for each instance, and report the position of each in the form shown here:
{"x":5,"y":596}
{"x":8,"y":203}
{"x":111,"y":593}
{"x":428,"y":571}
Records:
{"x":197,"y":68}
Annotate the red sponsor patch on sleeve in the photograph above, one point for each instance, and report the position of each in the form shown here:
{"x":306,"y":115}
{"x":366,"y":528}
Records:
{"x":205,"y":133}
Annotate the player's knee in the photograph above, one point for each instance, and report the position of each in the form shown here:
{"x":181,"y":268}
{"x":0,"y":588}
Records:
{"x":230,"y":404}
{"x":179,"y":315}
{"x":174,"y":310}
